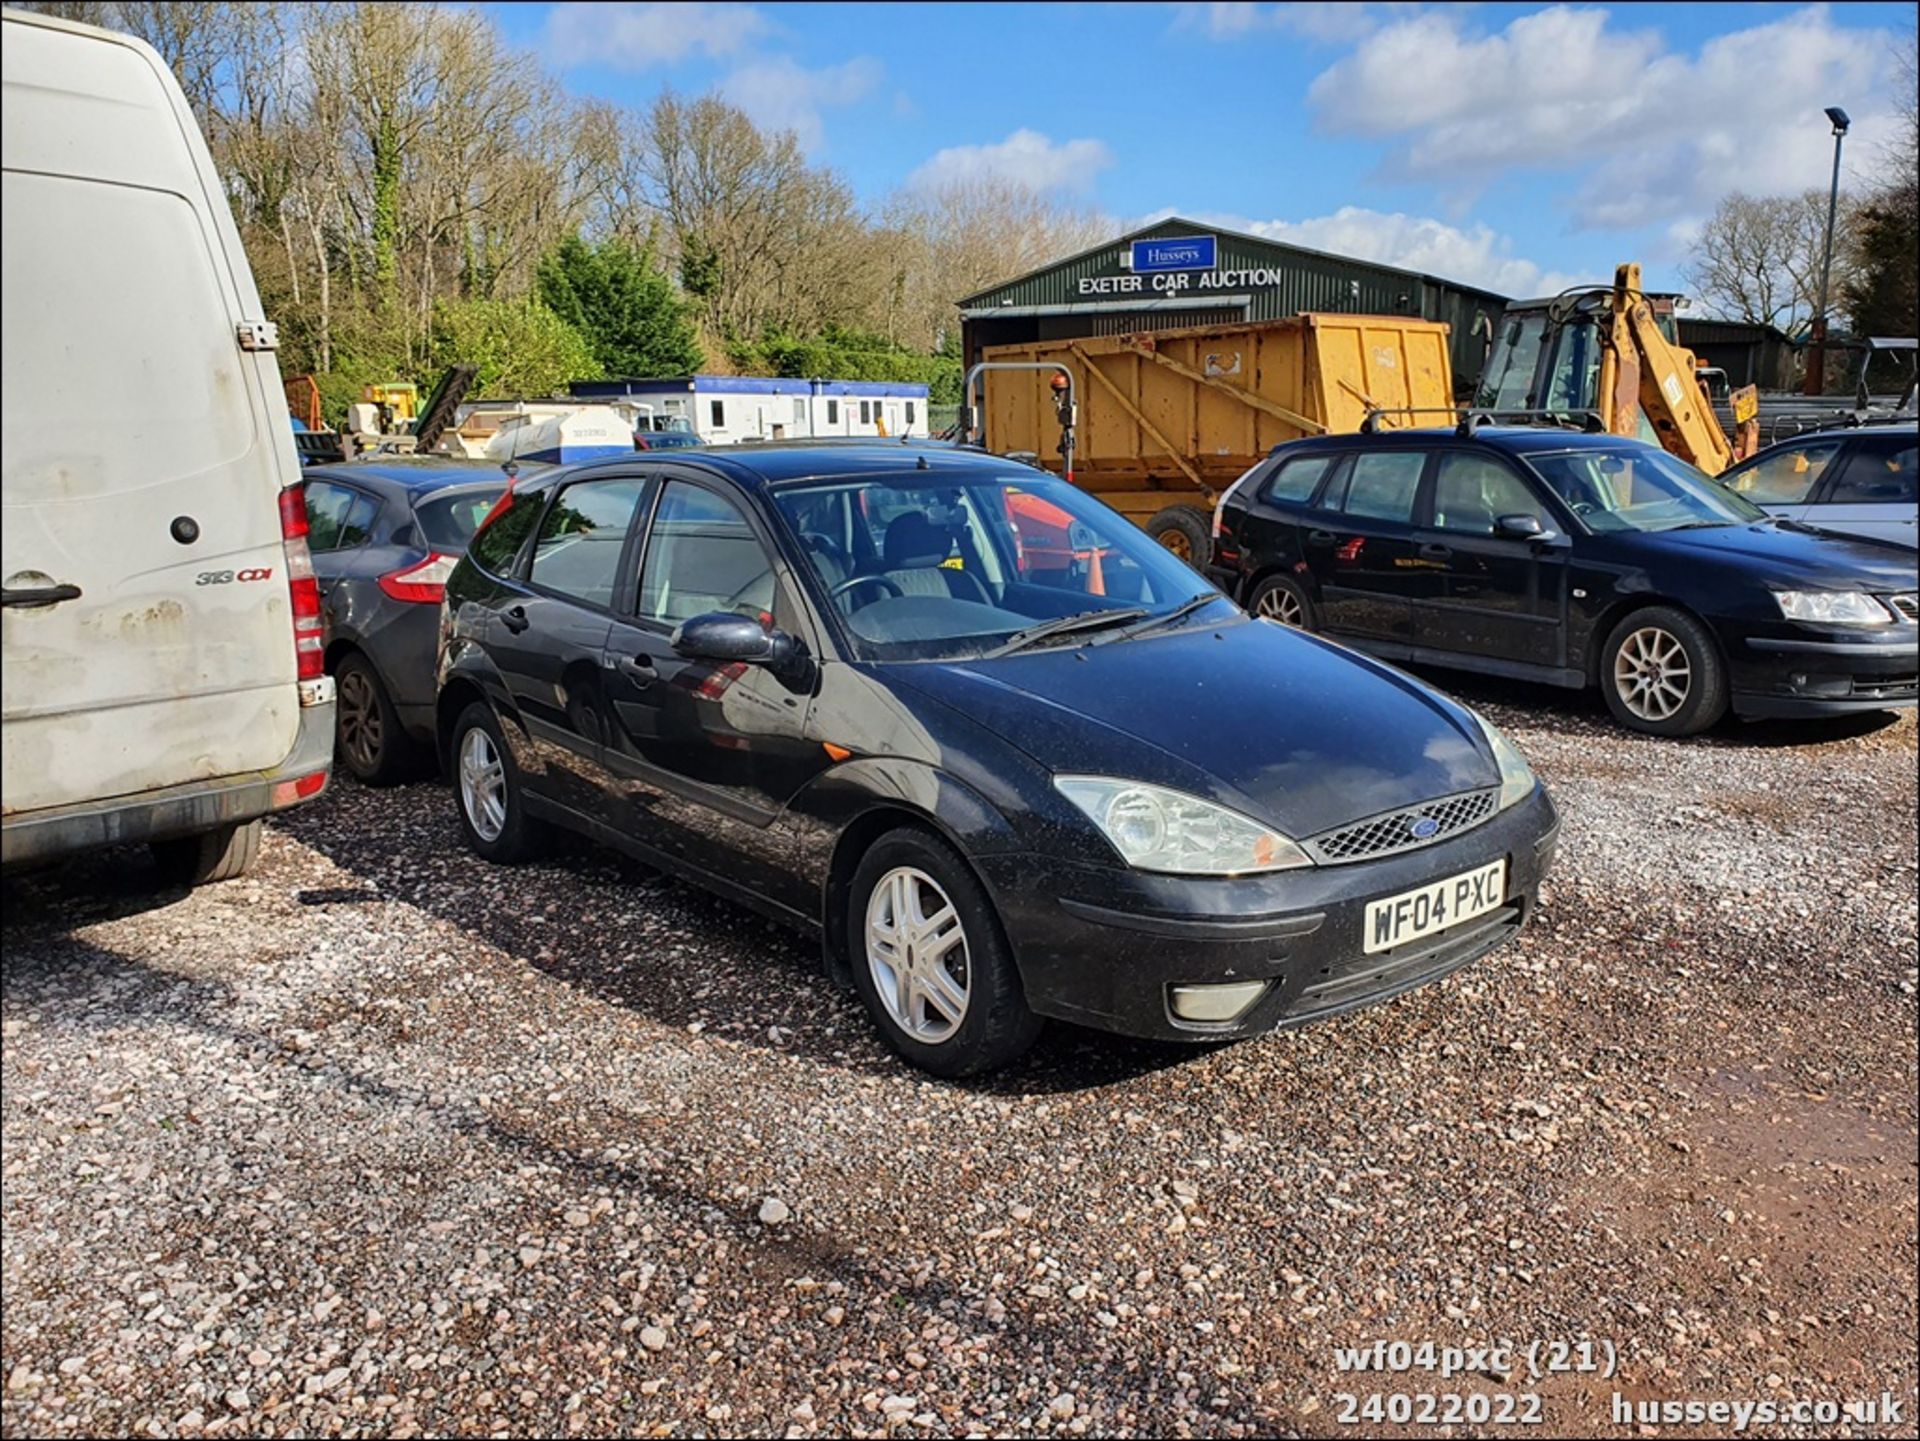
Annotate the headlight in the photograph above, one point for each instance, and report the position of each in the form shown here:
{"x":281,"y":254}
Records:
{"x":1156,"y":829}
{"x":1516,"y":776}
{"x":1832,"y":607}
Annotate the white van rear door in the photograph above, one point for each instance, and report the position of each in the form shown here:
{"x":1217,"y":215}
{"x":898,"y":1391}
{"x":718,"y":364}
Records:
{"x":133,"y":418}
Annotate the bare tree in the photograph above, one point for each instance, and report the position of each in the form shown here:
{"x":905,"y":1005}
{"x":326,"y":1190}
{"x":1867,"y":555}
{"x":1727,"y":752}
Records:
{"x":1759,"y":257}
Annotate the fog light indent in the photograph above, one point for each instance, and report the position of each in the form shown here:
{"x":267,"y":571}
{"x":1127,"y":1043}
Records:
{"x":1221,"y":1001}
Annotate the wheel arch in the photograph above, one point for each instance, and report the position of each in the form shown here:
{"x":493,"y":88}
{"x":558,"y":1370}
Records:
{"x":1618,"y":610}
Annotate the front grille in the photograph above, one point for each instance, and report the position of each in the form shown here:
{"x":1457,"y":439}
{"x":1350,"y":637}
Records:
{"x":1886,"y":687}
{"x":1906,"y":606}
{"x":1396,"y":831}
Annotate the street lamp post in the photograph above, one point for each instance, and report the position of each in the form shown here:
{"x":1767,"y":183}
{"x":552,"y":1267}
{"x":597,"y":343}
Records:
{"x":1817,"y":352}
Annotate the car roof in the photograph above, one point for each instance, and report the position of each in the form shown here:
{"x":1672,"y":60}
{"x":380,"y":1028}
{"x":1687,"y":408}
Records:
{"x":1516,"y":439}
{"x":412,"y":473}
{"x":775,"y":463}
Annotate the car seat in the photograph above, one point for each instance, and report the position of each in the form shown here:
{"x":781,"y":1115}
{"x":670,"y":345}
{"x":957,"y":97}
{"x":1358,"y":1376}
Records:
{"x":914,"y":554}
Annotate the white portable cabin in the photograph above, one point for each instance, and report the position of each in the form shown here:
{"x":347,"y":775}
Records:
{"x":724,"y":409}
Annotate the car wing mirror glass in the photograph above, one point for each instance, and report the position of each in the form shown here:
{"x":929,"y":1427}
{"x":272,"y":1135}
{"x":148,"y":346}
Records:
{"x":722,"y":636}
{"x":1523,"y":527}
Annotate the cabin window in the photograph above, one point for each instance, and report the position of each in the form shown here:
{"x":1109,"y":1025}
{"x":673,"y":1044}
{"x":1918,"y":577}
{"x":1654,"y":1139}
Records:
{"x":866,"y":413}
{"x":799,"y":411}
{"x":833,"y":412}
{"x":719,"y":412}
{"x":909,"y":405}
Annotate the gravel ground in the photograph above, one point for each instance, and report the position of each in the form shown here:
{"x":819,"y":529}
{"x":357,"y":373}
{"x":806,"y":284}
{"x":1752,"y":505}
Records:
{"x":384,"y":1141}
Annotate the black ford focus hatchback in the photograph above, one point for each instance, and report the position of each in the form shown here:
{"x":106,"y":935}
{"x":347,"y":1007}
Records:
{"x":1007,"y":756}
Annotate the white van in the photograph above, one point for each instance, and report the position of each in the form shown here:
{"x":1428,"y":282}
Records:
{"x":161,"y":673}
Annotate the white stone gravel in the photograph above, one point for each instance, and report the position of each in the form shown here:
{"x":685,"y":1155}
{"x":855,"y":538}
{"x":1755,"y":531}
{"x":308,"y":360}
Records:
{"x":385,"y":1141}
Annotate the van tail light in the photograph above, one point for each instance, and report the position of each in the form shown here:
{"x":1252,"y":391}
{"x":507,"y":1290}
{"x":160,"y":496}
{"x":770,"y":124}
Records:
{"x":424,"y":583}
{"x":309,"y":630}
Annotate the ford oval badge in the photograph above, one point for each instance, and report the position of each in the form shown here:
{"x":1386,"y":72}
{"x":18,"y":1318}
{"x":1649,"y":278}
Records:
{"x":1423,"y":828}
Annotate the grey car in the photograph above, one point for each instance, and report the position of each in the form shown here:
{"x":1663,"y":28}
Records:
{"x":1857,"y":480}
{"x":385,"y":535}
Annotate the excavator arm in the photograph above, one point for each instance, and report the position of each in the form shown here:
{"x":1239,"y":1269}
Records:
{"x":1642,"y":371}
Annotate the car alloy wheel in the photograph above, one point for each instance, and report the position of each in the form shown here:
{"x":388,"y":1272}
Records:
{"x":483,"y":784}
{"x":917,"y":955}
{"x":1651,"y":673}
{"x":1282,"y":605}
{"x":361,"y":732}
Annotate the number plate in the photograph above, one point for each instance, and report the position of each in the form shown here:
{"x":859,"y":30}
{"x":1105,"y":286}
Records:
{"x":1435,"y":908}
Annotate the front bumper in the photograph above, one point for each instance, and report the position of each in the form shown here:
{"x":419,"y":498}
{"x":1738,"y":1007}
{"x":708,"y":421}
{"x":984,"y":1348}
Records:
{"x":183,"y":810}
{"x":1788,"y":670}
{"x":1105,"y":946}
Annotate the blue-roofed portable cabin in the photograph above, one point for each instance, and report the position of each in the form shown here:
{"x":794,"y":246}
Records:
{"x":722,"y":409}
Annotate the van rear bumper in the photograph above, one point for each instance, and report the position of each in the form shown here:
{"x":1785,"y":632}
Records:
{"x":183,"y":810}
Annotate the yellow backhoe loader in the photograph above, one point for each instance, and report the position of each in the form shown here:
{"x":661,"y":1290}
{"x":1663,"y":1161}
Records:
{"x":1612,"y":353}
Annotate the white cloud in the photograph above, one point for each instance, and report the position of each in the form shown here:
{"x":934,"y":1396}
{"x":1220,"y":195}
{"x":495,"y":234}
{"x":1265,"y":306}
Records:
{"x":1333,"y":22}
{"x":1473,"y":255}
{"x":634,"y":36}
{"x":1658,"y":136}
{"x":1025,"y":157}
{"x":783,"y":95}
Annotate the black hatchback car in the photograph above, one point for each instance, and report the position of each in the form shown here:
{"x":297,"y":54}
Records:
{"x":385,"y":535}
{"x":839,"y":683}
{"x":1575,"y":559}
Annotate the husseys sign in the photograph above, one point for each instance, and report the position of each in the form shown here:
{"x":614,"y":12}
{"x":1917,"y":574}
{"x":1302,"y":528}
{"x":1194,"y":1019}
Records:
{"x":1166,"y":266}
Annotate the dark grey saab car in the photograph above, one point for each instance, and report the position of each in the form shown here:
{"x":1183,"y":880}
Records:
{"x":1008,"y":757}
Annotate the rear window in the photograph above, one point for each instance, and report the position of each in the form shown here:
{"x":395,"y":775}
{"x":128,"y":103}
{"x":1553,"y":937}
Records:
{"x":1877,"y":475}
{"x":495,"y":547}
{"x":449,"y":521}
{"x":1295,"y":482}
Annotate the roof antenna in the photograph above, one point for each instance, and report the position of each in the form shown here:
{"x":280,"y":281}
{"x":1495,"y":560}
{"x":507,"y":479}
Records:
{"x":922,"y":465}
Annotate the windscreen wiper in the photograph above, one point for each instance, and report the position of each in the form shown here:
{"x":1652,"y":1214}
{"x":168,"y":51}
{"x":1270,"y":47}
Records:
{"x":1065,"y":624}
{"x":1179,"y":612}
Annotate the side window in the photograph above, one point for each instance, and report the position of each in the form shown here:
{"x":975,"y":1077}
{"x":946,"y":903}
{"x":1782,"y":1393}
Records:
{"x":1788,"y":476}
{"x":338,"y":517}
{"x":703,"y":556}
{"x":718,"y":410}
{"x":1471,"y":492}
{"x":1877,"y":475}
{"x":1296,"y":481}
{"x":577,"y":553}
{"x":495,"y":547}
{"x":1383,"y":483}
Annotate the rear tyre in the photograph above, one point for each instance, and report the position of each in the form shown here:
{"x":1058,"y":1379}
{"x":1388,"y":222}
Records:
{"x":489,"y":793}
{"x":930,"y":961}
{"x":1662,"y":673}
{"x":1282,"y":599}
{"x":1186,"y":531}
{"x":373,"y":744}
{"x":223,"y":854}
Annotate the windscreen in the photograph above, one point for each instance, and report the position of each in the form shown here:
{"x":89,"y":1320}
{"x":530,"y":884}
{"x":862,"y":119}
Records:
{"x":448,"y":521}
{"x":924,"y":567}
{"x":1639,"y":489}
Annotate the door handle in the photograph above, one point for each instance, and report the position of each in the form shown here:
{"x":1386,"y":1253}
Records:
{"x":515,"y":619}
{"x":638,"y":669}
{"x":1322,"y":537}
{"x":1432,"y":551}
{"x":35,"y":595}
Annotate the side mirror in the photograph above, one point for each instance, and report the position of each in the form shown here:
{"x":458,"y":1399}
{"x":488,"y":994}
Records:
{"x":1522,"y":527}
{"x":722,"y":636}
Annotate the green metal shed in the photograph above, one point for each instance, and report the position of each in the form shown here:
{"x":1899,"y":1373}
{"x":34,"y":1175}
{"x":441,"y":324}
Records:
{"x":1178,"y":272}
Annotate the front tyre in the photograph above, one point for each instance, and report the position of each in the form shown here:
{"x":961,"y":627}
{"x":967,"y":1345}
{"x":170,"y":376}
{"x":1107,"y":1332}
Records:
{"x":489,"y":793}
{"x":1662,"y":673}
{"x":929,"y":959}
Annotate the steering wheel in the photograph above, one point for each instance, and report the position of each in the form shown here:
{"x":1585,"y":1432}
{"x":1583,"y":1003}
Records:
{"x":1581,"y":507}
{"x":847,"y":586}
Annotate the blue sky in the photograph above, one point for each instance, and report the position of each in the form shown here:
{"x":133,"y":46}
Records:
{"x":1518,"y":147}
